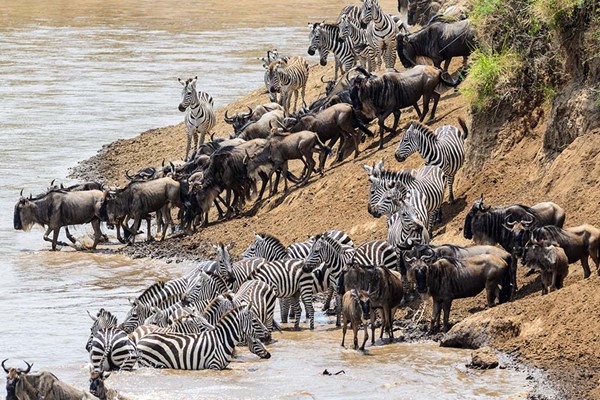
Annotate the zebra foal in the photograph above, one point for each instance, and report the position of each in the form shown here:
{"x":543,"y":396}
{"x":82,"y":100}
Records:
{"x":292,"y":75}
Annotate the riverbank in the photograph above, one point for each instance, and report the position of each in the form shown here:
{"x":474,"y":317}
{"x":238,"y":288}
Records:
{"x":557,"y":333}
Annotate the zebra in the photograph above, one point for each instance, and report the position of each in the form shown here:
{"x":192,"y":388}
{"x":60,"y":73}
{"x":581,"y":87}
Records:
{"x":207,"y":350}
{"x":333,"y":255}
{"x":260,"y":298}
{"x":350,"y":29}
{"x":381,"y":32}
{"x":292,"y":75}
{"x":289,"y":278}
{"x":300,"y":250}
{"x":429,"y":180}
{"x":109,"y":346}
{"x":375,"y":253}
{"x":187,"y":324}
{"x":444,"y":148}
{"x":200,"y":116}
{"x":221,"y":266}
{"x":266,"y":246}
{"x":269,"y":78}
{"x":242,"y":269}
{"x":326,"y":38}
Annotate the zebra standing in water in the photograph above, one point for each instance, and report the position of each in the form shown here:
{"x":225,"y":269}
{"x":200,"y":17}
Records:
{"x":381,"y":32}
{"x":325,"y":38}
{"x":429,"y":180}
{"x":208,"y":350}
{"x":444,"y":148}
{"x":199,"y":113}
{"x":292,"y":75}
{"x":110,"y":348}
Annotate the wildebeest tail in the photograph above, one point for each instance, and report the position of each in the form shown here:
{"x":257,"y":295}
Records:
{"x":463,"y":125}
{"x":504,"y":295}
{"x":448,"y":82}
{"x":357,"y":123}
{"x":323,"y":147}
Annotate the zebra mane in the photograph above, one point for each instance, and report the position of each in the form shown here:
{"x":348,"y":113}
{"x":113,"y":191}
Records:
{"x":109,"y":319}
{"x":271,"y":238}
{"x":228,"y":312}
{"x":331,"y":241}
{"x":422,"y":129}
{"x":146,"y":293}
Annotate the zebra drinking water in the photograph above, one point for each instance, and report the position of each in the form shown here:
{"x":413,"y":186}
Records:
{"x":199,"y":113}
{"x":444,"y":148}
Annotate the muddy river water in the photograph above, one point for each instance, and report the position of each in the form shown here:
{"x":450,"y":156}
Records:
{"x":77,"y":74}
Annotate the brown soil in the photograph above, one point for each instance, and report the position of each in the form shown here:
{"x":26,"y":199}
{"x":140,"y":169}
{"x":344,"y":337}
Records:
{"x":558,"y":332}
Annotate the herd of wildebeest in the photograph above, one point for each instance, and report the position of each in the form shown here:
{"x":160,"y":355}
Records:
{"x":196,"y":320}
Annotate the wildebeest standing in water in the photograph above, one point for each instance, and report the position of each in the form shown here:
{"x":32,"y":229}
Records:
{"x":449,"y":278}
{"x":22,"y":385}
{"x":356,"y":311}
{"x":59,"y":208}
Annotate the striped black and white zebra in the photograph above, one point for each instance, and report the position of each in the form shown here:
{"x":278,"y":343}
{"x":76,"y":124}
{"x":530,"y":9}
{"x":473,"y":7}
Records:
{"x":271,"y":79}
{"x":208,"y":350}
{"x":187,"y":324}
{"x":266,"y":246}
{"x":289,"y":278}
{"x":381,"y":31}
{"x":260,"y":297}
{"x":350,"y":29}
{"x":109,"y":347}
{"x":221,"y":266}
{"x":375,"y":253}
{"x":199,"y":113}
{"x":325,"y":38}
{"x":292,"y":75}
{"x":333,"y":255}
{"x":444,"y":148}
{"x":429,"y":180}
{"x":242,"y":269}
{"x":300,"y":250}
{"x":160,"y":295}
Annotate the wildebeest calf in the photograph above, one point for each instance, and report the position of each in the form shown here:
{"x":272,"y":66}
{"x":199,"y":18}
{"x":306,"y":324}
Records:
{"x":552,"y":260}
{"x":356,"y":310}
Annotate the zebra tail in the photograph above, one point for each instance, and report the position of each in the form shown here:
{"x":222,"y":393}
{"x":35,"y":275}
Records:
{"x":463,"y":125}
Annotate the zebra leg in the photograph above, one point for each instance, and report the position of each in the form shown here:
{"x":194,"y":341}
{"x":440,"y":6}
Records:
{"x":306,"y":296}
{"x":195,"y":137}
{"x":202,"y":135}
{"x":187,"y":145}
{"x":284,"y":308}
{"x":450,"y":179}
{"x":296,"y":100}
{"x":327,"y":302}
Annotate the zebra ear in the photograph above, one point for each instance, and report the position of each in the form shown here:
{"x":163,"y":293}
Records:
{"x":368,"y":168}
{"x":181,"y":81}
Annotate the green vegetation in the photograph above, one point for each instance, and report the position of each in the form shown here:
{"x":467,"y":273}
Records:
{"x":557,"y":13}
{"x":489,"y":74}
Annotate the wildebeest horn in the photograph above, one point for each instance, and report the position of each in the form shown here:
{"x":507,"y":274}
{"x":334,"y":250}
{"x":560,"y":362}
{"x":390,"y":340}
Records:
{"x":281,"y":124}
{"x":91,"y":316}
{"x":28,"y":368}
{"x":227,"y":119}
{"x":5,"y":370}
{"x":250,"y":111}
{"x":30,"y":196}
{"x":52,"y":183}
{"x":128,"y":176}
{"x":509,"y":220}
{"x":163,"y":163}
{"x":21,"y":195}
{"x":322,"y":76}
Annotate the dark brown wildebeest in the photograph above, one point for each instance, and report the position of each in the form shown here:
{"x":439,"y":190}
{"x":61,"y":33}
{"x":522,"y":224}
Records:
{"x":439,"y":41}
{"x":58,"y":208}
{"x":552,"y":261}
{"x":99,"y":388}
{"x":578,"y":242}
{"x":450,"y":278}
{"x":379,"y":96}
{"x":22,"y":385}
{"x":386,"y":292}
{"x":492,"y":225}
{"x":355,"y":310}
{"x":138,"y":199}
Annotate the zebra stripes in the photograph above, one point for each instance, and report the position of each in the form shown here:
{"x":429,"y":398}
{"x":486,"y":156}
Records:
{"x":350,"y":29}
{"x":199,"y":113}
{"x":429,"y":180}
{"x":381,"y":32}
{"x":292,"y":75}
{"x":111,"y":349}
{"x":444,"y":148}
{"x":326,"y":38}
{"x":300,"y":250}
{"x":266,"y":246}
{"x":207,"y":350}
{"x":242,"y":269}
{"x":375,"y":253}
{"x":289,"y":278}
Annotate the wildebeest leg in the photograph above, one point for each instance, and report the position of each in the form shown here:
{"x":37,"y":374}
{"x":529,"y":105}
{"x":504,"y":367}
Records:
{"x":390,"y":323}
{"x":513,"y":271}
{"x":436,"y":99}
{"x":344,"y":329}
{"x":586,"y":266}
{"x":310,"y":164}
{"x":69,"y":236}
{"x":136,"y":226}
{"x":594,"y":252}
{"x":97,"y":232}
{"x":417,"y":110}
{"x":366,"y":335}
{"x":340,"y":153}
{"x":446,"y":64}
{"x":167,"y":217}
{"x":435,"y":316}
{"x":338,"y":310}
{"x":55,"y":238}
{"x":373,"y":315}
{"x":491,"y":286}
{"x":447,"y":305}
{"x":355,"y":332}
{"x":264,"y":180}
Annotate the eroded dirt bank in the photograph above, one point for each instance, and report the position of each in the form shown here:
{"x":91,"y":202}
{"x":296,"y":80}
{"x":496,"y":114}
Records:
{"x":558,"y":332}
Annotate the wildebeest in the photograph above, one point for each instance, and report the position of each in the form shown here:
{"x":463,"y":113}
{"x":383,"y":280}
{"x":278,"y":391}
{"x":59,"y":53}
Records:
{"x":99,"y":388}
{"x":552,"y":262}
{"x":488,"y":225}
{"x":238,"y":120}
{"x":578,"y":242}
{"x":58,"y":208}
{"x":438,"y":41}
{"x":356,"y":311}
{"x":22,"y":385}
{"x":138,"y":199}
{"x":261,"y":128}
{"x":450,"y":278}
{"x":337,"y":121}
{"x":379,"y":96}
{"x":386,"y":293}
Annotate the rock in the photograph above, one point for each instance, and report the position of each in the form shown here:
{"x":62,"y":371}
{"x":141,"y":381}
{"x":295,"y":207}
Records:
{"x":483,"y":358}
{"x":480,"y":330}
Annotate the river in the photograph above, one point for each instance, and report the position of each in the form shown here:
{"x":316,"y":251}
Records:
{"x":78,"y":74}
